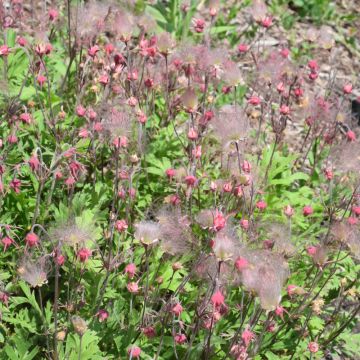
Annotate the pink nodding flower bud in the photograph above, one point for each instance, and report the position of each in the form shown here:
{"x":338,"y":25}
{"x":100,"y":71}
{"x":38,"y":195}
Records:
{"x":191,"y":180}
{"x":102,"y":315}
{"x":350,"y":135}
{"x":279,"y":311}
{"x":199,"y":25}
{"x":60,"y":260}
{"x":219,"y":221}
{"x":149,"y":332}
{"x":288,"y":211}
{"x":352,"y":221}
{"x":41,"y":80}
{"x":149,"y":83}
{"x":4,"y":298}
{"x":328,"y":174}
{"x":247,"y":336}
{"x":4,"y":50}
{"x":246,"y":166}
{"x":280,"y":87}
{"x":132,"y":101}
{"x":134,"y":352}
{"x":170,"y":173}
{"x":347,"y":89}
{"x":284,"y":109}
{"x":243,"y":48}
{"x":83,"y":254}
{"x":266,"y":22}
{"x":180,"y":338}
{"x":192,"y":134}
{"x":244,"y":223}
{"x":254,"y":100}
{"x":284,"y":52}
{"x":312,"y":250}
{"x":313,"y":65}
{"x":130,"y":270}
{"x":313,"y":347}
{"x":93,"y":51}
{"x":83,"y":133}
{"x":356,"y":210}
{"x":227,"y":187}
{"x":21,"y":41}
{"x":34,"y":163}
{"x":226,"y":89}
{"x":299,"y":92}
{"x":175,"y":200}
{"x":104,"y":79}
{"x":241,"y":263}
{"x":261,"y":205}
{"x":291,"y":289}
{"x":31,"y":239}
{"x":6,"y":241}
{"x":176,"y":309}
{"x":25,"y":118}
{"x":80,"y":111}
{"x":313,"y":75}
{"x":121,"y":225}
{"x":133,"y":287}
{"x":307,"y":210}
{"x":197,"y":152}
{"x":109,"y":48}
{"x":217,"y":299}
{"x":15,"y":185}
{"x":53,"y":14}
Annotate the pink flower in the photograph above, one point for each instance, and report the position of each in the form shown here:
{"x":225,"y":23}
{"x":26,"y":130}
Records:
{"x":4,"y":298}
{"x":83,"y":254}
{"x":170,"y":173}
{"x":180,"y":338}
{"x":25,"y":118}
{"x":288,"y":211}
{"x":6,"y":241}
{"x":247,"y":336}
{"x":15,"y":185}
{"x":219,"y":221}
{"x":130,"y":270}
{"x":21,"y":41}
{"x":109,"y":48}
{"x":261,"y":205}
{"x":356,"y":210}
{"x":266,"y":21}
{"x":4,"y":50}
{"x":121,"y":225}
{"x":284,"y":110}
{"x":328,"y":174}
{"x":31,"y":239}
{"x":279,"y":311}
{"x":102,"y":315}
{"x":244,"y":223}
{"x":246,"y":166}
{"x":313,"y":347}
{"x":217,"y":299}
{"x":281,"y":87}
{"x":243,"y":48}
{"x":352,"y":220}
{"x":104,"y":79}
{"x":291,"y":289}
{"x":177,"y":309}
{"x":134,"y":352}
{"x":190,"y":180}
{"x":313,"y":75}
{"x":285,"y":53}
{"x":60,"y":260}
{"x":197,"y":152}
{"x":313,"y":65}
{"x":192,"y":134}
{"x":347,"y":89}
{"x":133,"y":287}
{"x":307,"y":210}
{"x":241,"y":263}
{"x":299,"y":92}
{"x":350,"y":135}
{"x":93,"y":51}
{"x":149,"y":332}
{"x":199,"y":25}
{"x":34,"y":163}
{"x":311,"y":250}
{"x":254,"y":100}
{"x":80,"y":111}
{"x":53,"y":14}
{"x":41,"y":79}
